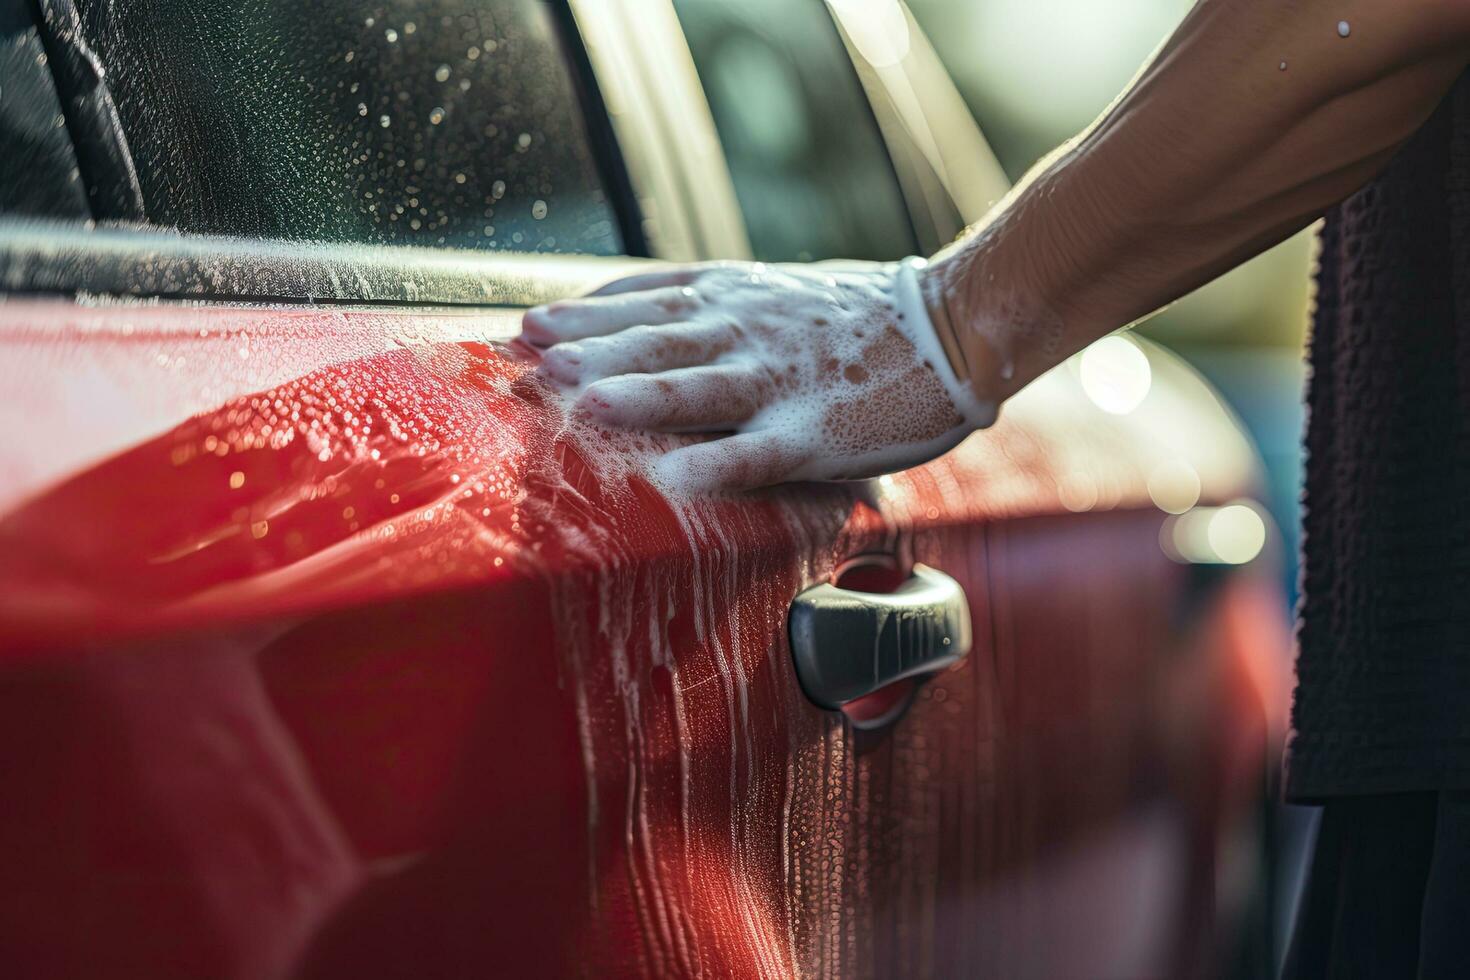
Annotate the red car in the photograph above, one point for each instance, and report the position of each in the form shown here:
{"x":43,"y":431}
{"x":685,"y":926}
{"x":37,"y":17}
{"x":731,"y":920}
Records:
{"x":331,"y":645}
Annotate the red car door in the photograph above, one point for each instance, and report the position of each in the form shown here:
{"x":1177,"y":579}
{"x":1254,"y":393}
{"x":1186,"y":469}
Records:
{"x":391,"y":665}
{"x":332,"y":644}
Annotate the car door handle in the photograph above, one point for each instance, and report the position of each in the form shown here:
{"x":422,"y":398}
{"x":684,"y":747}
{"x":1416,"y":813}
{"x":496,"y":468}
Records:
{"x":849,"y":644}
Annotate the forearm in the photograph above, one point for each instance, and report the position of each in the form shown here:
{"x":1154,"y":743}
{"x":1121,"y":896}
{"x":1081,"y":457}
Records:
{"x":1214,"y":154}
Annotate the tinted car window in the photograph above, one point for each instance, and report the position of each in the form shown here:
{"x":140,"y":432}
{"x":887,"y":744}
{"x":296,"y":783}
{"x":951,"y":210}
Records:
{"x":425,"y":122}
{"x":808,"y":162}
{"x":38,"y":169}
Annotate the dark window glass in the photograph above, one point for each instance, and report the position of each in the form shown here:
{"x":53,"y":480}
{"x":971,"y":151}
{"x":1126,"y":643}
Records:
{"x":809,"y":165}
{"x":38,"y":168}
{"x":424,"y":122}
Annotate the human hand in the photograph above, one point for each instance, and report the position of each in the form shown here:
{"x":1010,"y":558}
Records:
{"x":803,"y":372}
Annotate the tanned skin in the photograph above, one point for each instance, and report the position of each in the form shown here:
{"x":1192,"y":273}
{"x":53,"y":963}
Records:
{"x":1212,"y":155}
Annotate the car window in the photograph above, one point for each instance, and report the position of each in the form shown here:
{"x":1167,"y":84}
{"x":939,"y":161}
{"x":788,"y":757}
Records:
{"x":38,"y":169}
{"x":809,"y":165}
{"x":424,"y":122}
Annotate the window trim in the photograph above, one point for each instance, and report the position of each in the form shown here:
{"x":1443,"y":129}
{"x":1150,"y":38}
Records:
{"x":663,"y":123}
{"x":71,"y":258}
{"x":607,"y":154}
{"x":944,"y":164}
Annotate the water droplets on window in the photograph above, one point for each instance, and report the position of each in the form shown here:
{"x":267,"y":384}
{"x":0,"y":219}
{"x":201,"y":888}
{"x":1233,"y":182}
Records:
{"x":424,"y":122}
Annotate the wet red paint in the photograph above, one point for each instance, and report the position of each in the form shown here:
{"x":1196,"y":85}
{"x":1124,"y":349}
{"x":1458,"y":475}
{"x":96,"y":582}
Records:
{"x":330,"y":650}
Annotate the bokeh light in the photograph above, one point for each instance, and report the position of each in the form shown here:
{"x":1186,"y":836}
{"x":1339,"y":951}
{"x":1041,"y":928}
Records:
{"x":1115,"y":374}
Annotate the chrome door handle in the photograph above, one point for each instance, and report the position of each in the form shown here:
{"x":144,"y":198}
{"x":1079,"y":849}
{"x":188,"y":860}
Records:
{"x":849,"y":644}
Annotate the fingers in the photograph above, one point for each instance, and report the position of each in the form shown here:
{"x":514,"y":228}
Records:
{"x":577,"y":319}
{"x":638,"y":350}
{"x":739,"y":462}
{"x":710,"y":398}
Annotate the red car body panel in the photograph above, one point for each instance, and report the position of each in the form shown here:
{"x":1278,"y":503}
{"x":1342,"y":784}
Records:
{"x":330,"y":646}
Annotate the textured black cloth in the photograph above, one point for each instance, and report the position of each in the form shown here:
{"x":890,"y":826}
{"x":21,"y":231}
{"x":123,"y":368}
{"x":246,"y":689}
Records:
{"x":1383,"y":671}
{"x":1388,"y":894}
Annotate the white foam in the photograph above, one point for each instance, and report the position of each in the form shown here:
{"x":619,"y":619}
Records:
{"x":826,"y":372}
{"x":921,"y":332}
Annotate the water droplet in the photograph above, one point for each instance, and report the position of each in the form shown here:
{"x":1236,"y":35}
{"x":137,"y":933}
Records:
{"x":459,"y":178}
{"x":523,"y":140}
{"x":1283,"y":66}
{"x":472,"y":53}
{"x":441,"y":74}
{"x":384,"y":121}
{"x":391,"y":35}
{"x":362,"y":108}
{"x":436,"y":115}
{"x":1344,"y":28}
{"x":538,"y":210}
{"x":497,"y":189}
{"x":410,"y":27}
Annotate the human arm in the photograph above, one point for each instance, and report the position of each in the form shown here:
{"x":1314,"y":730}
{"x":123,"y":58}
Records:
{"x":1212,"y":155}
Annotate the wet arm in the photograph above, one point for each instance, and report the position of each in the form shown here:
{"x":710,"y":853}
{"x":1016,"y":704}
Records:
{"x":1214,"y":154}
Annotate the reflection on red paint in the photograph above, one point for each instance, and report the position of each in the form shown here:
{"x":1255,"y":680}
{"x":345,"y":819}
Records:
{"x":355,"y":655}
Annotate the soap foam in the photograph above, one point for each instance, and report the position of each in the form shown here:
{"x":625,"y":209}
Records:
{"x":819,"y":373}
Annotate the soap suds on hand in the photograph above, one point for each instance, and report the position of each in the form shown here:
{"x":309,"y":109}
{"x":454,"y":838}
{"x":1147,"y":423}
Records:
{"x":801,"y":373}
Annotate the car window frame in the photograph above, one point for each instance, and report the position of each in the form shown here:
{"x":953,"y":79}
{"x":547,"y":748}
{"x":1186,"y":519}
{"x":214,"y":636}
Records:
{"x":858,"y":88}
{"x":663,"y":122}
{"x":948,"y":174}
